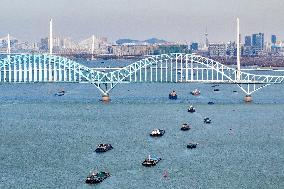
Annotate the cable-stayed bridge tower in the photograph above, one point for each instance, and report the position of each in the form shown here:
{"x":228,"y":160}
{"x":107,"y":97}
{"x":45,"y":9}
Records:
{"x":50,"y":37}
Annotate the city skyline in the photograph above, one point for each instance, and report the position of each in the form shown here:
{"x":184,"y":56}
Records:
{"x":171,"y":21}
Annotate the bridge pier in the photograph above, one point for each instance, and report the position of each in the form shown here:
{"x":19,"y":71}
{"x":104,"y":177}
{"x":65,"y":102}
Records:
{"x":248,"y":98}
{"x":105,"y":97}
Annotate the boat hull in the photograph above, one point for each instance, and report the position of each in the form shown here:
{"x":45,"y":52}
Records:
{"x":149,"y":165}
{"x":172,"y":97}
{"x":162,"y":132}
{"x":190,"y":146}
{"x":151,"y":162}
{"x":94,"y":179}
{"x":103,"y":149}
{"x":185,"y":128}
{"x":207,"y":121}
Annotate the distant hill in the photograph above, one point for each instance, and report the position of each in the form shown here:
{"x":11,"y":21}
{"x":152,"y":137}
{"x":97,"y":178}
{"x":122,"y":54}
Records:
{"x":149,"y":41}
{"x":123,"y":41}
{"x":155,"y":41}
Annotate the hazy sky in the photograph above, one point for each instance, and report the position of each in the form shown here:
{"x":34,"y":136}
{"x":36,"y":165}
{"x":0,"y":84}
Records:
{"x":173,"y":20}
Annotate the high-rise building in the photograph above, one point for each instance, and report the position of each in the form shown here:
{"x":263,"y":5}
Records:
{"x":273,"y":39}
{"x":43,"y":44}
{"x":231,"y":49}
{"x":247,"y":41}
{"x":194,"y":46}
{"x":274,"y":47}
{"x":247,"y":51}
{"x":257,"y":43}
{"x":4,"y":42}
{"x":217,"y":50}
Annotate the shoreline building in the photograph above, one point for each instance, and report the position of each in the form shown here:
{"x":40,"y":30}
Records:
{"x":248,"y":46}
{"x":217,"y":50}
{"x":257,"y":43}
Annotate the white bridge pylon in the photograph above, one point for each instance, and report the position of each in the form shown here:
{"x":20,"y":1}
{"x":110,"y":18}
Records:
{"x":176,"y":68}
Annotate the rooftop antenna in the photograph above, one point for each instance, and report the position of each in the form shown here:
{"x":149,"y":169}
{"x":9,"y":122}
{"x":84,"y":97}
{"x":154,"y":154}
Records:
{"x":50,"y":37}
{"x":238,"y":51}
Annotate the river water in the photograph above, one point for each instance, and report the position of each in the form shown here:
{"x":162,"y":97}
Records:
{"x":48,"y":141}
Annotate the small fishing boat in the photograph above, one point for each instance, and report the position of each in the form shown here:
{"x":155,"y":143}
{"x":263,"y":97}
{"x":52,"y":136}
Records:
{"x":60,"y":93}
{"x":157,"y":132}
{"x":191,"y":109}
{"x":97,"y":177}
{"x":207,"y":120}
{"x":185,"y":127}
{"x":173,"y":95}
{"x":191,"y":145}
{"x":103,"y":147}
{"x":196,"y":92}
{"x":210,"y":103}
{"x":151,"y":161}
{"x":215,"y":85}
{"x":216,"y":90}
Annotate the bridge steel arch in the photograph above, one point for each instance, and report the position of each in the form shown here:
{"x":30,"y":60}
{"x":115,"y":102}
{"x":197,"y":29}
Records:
{"x":33,"y":68}
{"x":175,"y":67}
{"x":188,"y":68}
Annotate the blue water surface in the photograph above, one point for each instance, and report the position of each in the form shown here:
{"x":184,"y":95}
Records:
{"x":48,"y":141}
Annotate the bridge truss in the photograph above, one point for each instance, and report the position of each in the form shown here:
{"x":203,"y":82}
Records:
{"x":165,"y":68}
